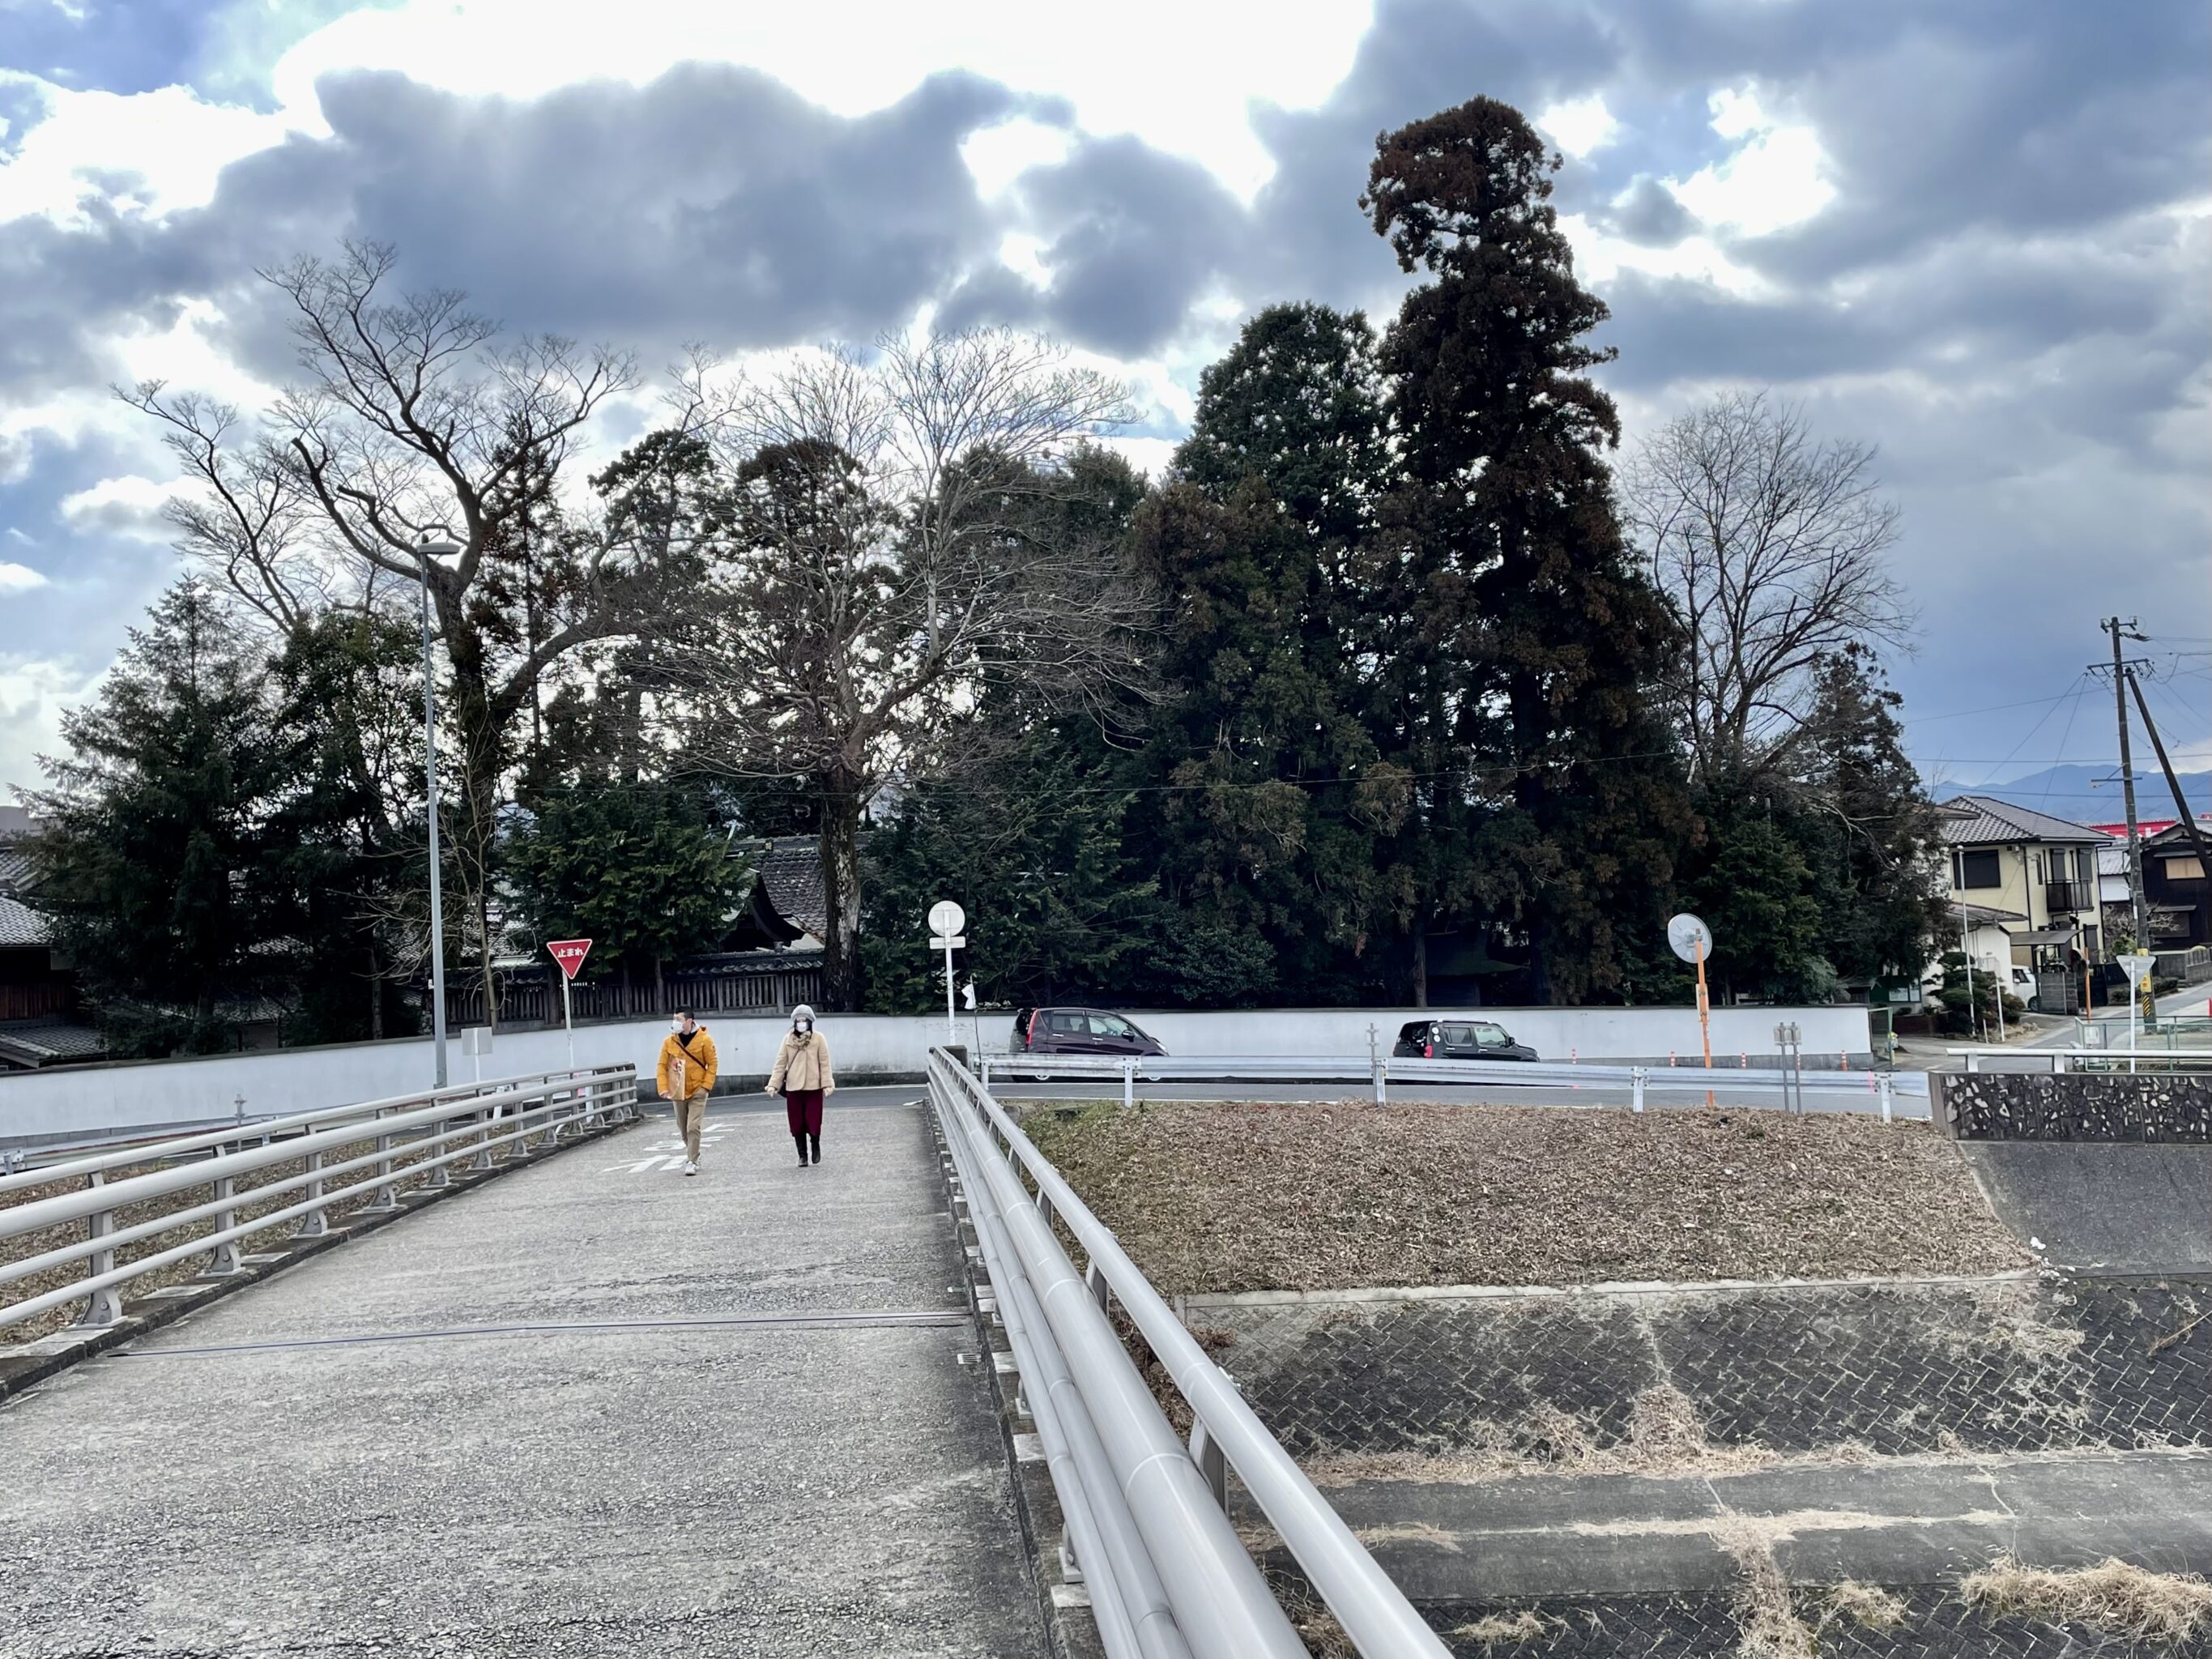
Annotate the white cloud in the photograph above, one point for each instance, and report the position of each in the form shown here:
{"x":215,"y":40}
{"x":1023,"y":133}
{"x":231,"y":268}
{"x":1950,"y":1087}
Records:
{"x":173,"y":141}
{"x":1580,"y":126}
{"x":33,"y":694}
{"x":19,"y":578}
{"x":1023,"y":254}
{"x":1191,"y":97}
{"x":128,"y":505}
{"x":1600,"y":257}
{"x":998,"y":155}
{"x":1776,"y":177}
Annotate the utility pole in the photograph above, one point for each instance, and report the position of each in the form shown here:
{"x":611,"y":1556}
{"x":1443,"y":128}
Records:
{"x":2119,"y":631}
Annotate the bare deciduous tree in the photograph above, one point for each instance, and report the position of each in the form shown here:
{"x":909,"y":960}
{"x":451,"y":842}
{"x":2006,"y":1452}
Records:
{"x":244,"y":517}
{"x":900,"y":542}
{"x":412,"y":412}
{"x":1770,"y":543}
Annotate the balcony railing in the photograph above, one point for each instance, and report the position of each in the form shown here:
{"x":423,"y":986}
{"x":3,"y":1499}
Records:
{"x":2062,"y":895}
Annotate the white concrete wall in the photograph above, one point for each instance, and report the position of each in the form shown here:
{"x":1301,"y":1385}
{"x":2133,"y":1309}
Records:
{"x":86,"y":1100}
{"x":1555,"y":1033}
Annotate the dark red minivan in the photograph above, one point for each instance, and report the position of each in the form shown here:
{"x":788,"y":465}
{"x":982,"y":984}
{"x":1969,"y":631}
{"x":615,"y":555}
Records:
{"x":1080,"y":1031}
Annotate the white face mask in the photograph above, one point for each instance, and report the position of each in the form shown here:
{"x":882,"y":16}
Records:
{"x":804,"y":1026}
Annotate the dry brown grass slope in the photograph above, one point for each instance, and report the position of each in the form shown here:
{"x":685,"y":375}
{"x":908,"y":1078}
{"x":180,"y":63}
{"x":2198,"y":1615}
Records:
{"x":1220,"y":1196}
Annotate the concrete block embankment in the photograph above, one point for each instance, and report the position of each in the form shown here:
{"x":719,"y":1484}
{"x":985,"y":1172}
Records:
{"x":2075,"y":1106}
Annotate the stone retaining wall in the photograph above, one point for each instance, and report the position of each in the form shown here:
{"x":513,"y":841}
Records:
{"x":2077,"y":1106}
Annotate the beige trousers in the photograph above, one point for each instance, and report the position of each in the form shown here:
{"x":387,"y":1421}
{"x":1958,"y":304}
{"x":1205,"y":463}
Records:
{"x":690,"y":1113}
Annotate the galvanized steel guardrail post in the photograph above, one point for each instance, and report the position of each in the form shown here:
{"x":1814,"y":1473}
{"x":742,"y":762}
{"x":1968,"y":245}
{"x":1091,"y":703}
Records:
{"x":1079,"y":1377}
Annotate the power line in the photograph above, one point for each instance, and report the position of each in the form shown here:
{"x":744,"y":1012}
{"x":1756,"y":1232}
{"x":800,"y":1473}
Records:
{"x":1993,"y":708}
{"x":2082,"y":691}
{"x":2079,"y":681}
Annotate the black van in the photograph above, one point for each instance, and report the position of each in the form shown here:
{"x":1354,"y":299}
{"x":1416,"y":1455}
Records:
{"x":1460,"y":1039}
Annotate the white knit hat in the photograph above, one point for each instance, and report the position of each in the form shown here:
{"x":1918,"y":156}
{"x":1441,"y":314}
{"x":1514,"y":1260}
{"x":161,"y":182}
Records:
{"x":800,"y":1012}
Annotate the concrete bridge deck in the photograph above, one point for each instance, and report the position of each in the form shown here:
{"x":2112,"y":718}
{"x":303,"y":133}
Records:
{"x":596,"y":1407}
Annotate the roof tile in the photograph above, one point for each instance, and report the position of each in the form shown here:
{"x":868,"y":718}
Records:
{"x":1978,"y":820}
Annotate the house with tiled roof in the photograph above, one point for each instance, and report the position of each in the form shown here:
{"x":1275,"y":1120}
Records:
{"x":2032,"y":879}
{"x":37,"y":993}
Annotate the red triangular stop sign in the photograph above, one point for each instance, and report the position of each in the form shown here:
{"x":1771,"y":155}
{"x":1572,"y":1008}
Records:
{"x":570,"y":953}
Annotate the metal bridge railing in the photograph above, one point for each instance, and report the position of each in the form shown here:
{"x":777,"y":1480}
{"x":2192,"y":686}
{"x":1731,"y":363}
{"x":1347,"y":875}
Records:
{"x":1148,"y":1531}
{"x":431,"y":1131}
{"x":2146,"y":1058}
{"x":37,"y":1164}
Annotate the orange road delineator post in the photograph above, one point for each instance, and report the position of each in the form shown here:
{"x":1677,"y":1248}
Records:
{"x":1705,"y":1016}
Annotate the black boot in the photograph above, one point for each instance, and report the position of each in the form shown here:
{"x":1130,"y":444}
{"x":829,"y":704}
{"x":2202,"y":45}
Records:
{"x":800,"y":1142}
{"x":816,"y":1140}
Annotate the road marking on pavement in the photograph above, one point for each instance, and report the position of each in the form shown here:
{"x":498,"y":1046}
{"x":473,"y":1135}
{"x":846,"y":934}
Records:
{"x":667,"y":1155}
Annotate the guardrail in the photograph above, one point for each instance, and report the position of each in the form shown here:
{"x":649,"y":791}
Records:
{"x":1881,"y":1087}
{"x":1148,"y":1530}
{"x":2063,"y":1060}
{"x":449,"y":1124}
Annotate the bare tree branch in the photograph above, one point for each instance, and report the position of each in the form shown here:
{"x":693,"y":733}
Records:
{"x":897,"y":548}
{"x":1770,"y":543}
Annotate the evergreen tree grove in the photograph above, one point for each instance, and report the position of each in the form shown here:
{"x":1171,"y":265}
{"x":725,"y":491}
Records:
{"x":1523,"y":691}
{"x":155,"y":867}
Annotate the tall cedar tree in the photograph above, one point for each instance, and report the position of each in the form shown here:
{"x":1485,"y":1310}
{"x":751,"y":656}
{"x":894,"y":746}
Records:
{"x":1534,"y":638}
{"x":155,"y":866}
{"x":1870,"y":828}
{"x":1269,"y":796}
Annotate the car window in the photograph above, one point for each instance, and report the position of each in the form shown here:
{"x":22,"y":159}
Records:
{"x":1416,"y":1032}
{"x":1066,"y":1024}
{"x":1491,"y":1037}
{"x":1107,"y":1026}
{"x":1458,"y":1037}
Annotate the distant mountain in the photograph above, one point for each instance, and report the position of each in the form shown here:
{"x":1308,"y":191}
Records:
{"x":2071,"y":792}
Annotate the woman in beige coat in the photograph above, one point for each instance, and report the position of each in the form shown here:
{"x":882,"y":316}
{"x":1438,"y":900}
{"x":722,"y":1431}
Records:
{"x":803,"y":1077}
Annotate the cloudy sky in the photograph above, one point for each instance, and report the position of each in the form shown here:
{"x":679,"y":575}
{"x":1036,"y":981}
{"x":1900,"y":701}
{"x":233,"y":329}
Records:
{"x":1975,"y":233}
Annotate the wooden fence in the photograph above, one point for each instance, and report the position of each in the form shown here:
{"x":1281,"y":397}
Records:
{"x":713,"y":986}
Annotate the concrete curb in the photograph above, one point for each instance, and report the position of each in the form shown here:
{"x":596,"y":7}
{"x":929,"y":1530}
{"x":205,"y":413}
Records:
{"x":27,"y":1364}
{"x":1390,"y":1294}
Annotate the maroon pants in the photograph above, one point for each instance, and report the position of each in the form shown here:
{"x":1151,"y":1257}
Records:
{"x":803,"y":1109}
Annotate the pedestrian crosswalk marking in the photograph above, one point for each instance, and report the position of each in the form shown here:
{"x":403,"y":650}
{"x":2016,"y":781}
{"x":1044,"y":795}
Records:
{"x":658,"y":1155}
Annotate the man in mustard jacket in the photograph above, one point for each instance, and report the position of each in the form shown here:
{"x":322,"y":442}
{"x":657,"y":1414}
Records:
{"x":686,"y":1077}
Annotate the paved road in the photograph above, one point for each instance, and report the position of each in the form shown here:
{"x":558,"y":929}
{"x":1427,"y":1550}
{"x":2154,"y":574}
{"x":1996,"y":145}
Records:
{"x":596,"y":1408}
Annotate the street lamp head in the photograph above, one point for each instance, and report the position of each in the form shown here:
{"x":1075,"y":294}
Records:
{"x":436,"y":541}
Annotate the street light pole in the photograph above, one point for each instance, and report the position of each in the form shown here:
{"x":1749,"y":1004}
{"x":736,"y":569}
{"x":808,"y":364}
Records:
{"x":426,"y":547}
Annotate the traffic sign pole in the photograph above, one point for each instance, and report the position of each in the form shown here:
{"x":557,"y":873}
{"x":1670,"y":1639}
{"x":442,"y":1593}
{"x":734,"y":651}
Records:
{"x":946,"y":919}
{"x":569,"y":954}
{"x":2137,"y":965}
{"x":1705,"y":1014}
{"x":1690,"y":938}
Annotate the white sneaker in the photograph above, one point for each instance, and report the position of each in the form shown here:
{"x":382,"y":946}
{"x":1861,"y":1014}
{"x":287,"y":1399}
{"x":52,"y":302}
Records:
{"x":689,"y":1167}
